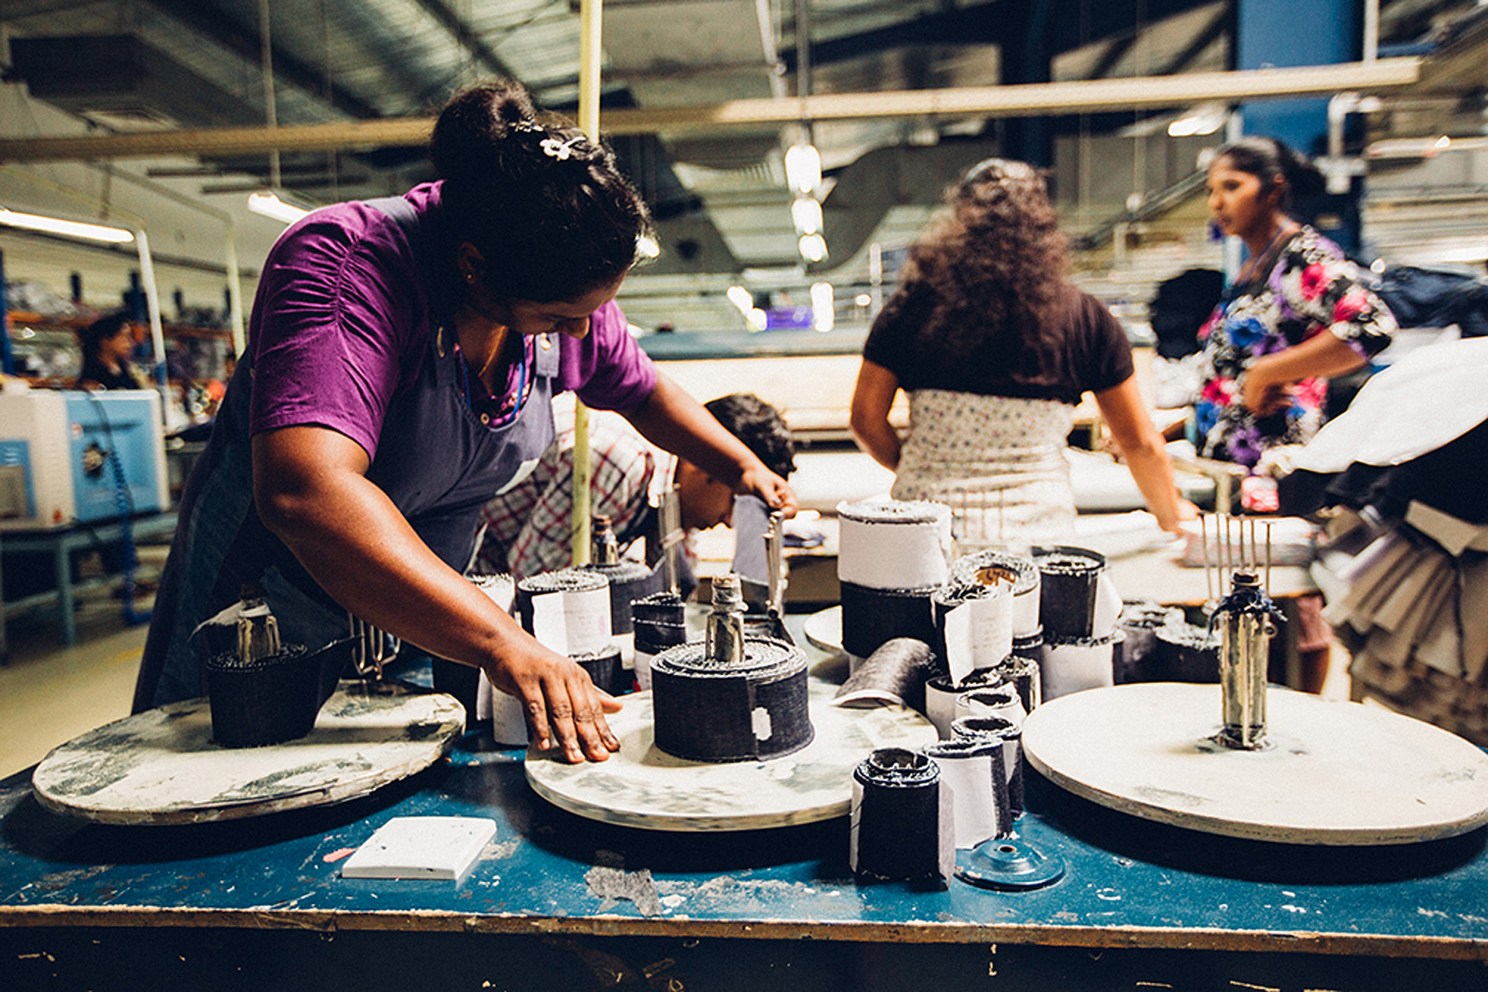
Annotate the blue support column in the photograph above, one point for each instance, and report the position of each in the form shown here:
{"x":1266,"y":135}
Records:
{"x":1028,"y":58}
{"x":7,"y":354}
{"x":1302,"y":32}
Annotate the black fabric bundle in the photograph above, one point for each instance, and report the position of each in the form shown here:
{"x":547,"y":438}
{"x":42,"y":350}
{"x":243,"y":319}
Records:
{"x":898,"y":670}
{"x":275,"y":698}
{"x":1186,"y":652}
{"x":896,"y":829}
{"x":1141,"y":620}
{"x":605,"y":670}
{"x":563,"y":580}
{"x":966,"y":748}
{"x":705,"y":711}
{"x":1067,"y":595}
{"x":1028,"y":645}
{"x":976,"y":575}
{"x":1023,"y":673}
{"x":872,"y":617}
{"x":629,"y":580}
{"x":659,"y":621}
{"x":994,"y":729}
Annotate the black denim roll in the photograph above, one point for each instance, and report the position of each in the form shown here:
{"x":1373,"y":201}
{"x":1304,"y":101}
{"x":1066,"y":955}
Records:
{"x":629,"y":581}
{"x":605,"y":670}
{"x":896,"y":828}
{"x":705,"y":711}
{"x":1068,"y":579}
{"x":1185,"y":652}
{"x":872,"y":617}
{"x":994,"y":729}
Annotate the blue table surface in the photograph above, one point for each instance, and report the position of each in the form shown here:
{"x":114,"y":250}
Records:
{"x":1128,"y":882}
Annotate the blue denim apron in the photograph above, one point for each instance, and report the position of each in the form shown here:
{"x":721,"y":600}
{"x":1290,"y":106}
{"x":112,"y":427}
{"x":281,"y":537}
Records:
{"x":436,"y":461}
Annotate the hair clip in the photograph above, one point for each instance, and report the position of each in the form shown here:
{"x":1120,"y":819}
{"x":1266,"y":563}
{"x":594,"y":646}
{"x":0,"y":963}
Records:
{"x":525,"y":126}
{"x":560,"y":150}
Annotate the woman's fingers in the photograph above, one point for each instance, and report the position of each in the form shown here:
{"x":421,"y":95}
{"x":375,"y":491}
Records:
{"x":565,"y":711}
{"x":574,"y":710}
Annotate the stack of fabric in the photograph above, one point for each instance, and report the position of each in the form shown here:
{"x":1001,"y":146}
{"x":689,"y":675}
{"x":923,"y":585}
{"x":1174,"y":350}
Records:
{"x":1402,"y":476}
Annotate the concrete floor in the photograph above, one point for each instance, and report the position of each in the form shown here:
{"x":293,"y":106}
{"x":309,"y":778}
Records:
{"x":50,"y":693}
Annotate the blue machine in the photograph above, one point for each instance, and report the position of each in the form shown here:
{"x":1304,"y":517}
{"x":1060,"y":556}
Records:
{"x":85,"y":456}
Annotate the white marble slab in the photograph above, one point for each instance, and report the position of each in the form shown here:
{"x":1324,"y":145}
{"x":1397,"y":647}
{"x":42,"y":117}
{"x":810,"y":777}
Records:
{"x":161,"y":767}
{"x":642,"y":787}
{"x":1336,"y":773}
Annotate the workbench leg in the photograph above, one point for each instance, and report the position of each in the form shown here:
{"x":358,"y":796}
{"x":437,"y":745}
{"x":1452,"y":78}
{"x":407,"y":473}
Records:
{"x":4,"y":644}
{"x":65,"y":604}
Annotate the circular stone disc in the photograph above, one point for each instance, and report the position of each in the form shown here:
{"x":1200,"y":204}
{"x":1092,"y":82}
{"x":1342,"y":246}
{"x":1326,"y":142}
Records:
{"x":824,"y":629}
{"x":639,"y":786}
{"x":1335,"y":773}
{"x":161,"y":767}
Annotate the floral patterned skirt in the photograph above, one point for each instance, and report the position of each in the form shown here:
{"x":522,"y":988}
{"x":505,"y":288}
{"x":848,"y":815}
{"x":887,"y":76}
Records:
{"x":997,"y":461}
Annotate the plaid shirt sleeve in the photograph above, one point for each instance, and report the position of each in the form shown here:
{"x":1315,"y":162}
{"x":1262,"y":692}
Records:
{"x":528,"y":528}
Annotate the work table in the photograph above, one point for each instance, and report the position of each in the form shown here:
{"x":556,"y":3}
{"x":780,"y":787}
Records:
{"x":564,"y":896}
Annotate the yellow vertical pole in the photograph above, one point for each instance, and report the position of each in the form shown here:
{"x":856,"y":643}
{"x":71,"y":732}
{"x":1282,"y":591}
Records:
{"x":589,"y":56}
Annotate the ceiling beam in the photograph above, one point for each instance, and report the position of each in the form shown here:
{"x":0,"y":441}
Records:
{"x":1072,"y":97}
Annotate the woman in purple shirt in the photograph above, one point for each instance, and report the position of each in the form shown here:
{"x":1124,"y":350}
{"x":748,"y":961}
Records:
{"x":401,"y":359}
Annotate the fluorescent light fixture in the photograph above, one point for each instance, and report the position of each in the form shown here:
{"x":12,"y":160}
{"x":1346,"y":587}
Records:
{"x":69,"y":228}
{"x":647,"y":247}
{"x":807,"y":215}
{"x":822,"y":306}
{"x":740,"y":297}
{"x":1205,"y":119}
{"x":756,"y":319}
{"x":813,"y":247}
{"x":268,"y":204}
{"x":803,"y":169}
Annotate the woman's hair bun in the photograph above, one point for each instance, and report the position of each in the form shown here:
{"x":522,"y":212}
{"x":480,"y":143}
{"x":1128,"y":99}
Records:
{"x":472,"y":122}
{"x":547,"y":208}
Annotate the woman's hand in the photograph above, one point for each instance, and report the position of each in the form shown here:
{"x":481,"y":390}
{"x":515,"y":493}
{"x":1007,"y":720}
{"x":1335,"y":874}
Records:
{"x":1187,"y":510}
{"x":564,"y":709}
{"x":1261,"y":394}
{"x":775,"y":491}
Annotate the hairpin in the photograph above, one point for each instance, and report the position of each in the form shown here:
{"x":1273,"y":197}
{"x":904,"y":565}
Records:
{"x":526,"y":126}
{"x":560,"y":150}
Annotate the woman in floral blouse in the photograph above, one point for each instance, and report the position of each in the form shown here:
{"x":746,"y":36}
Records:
{"x":1294,"y":316}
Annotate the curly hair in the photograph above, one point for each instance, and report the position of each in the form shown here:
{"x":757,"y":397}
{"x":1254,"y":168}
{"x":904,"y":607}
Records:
{"x":761,"y":428}
{"x":995,"y":263}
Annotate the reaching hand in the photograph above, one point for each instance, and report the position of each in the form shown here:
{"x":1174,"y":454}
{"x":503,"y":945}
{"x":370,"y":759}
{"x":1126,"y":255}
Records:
{"x":771,"y":488}
{"x":1262,"y":397}
{"x":564,"y":709}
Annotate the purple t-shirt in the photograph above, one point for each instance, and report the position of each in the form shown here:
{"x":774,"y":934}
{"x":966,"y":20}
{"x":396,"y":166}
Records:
{"x":341,"y":322}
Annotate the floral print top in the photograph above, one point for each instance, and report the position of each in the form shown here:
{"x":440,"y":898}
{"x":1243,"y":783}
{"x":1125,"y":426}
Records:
{"x":1310,"y":288}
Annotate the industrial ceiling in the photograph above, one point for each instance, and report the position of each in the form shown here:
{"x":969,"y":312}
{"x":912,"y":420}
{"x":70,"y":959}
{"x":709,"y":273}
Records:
{"x":158,"y":67}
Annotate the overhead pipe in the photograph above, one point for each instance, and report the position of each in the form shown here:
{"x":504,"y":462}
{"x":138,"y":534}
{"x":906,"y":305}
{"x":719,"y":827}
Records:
{"x":1067,"y":97}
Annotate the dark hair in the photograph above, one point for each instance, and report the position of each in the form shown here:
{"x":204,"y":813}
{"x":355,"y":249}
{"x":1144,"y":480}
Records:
{"x":548,"y":210}
{"x":92,"y":338}
{"x":995,"y":264}
{"x":1268,"y":160}
{"x":761,"y":428}
{"x":1181,"y":306}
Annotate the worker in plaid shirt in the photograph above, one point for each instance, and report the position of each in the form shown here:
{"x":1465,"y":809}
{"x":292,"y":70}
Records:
{"x":528,"y":527}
